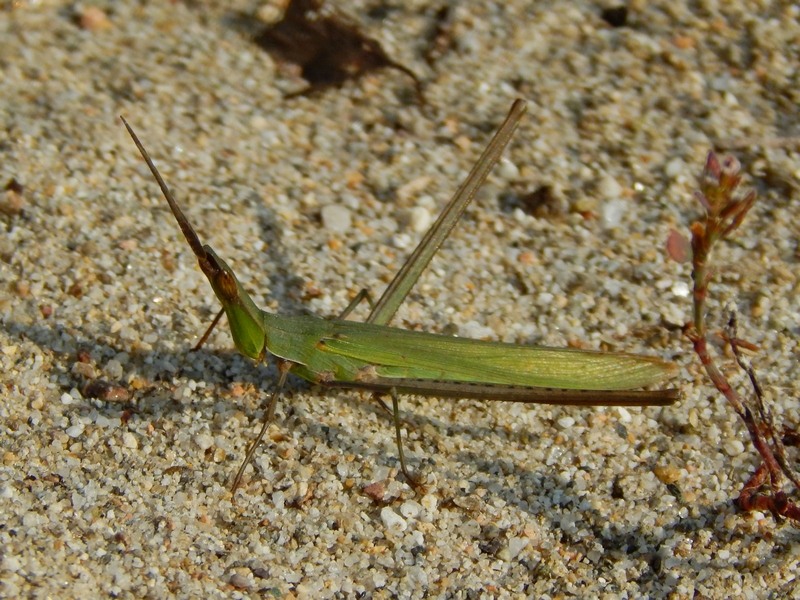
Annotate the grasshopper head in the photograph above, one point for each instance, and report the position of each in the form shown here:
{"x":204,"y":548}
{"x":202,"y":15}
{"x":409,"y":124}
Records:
{"x":245,"y":318}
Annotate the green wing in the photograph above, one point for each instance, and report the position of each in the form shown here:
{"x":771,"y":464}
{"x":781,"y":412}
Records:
{"x":397,"y":353}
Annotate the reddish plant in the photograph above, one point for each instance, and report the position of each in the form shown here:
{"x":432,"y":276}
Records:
{"x":725,"y":209}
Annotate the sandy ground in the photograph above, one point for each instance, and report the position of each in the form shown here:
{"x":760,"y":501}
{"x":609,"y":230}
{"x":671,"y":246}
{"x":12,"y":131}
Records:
{"x":312,"y":198}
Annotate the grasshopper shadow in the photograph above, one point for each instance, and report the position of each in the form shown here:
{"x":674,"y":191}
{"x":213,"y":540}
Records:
{"x":619,"y":540}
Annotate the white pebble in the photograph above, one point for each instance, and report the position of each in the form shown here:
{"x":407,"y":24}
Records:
{"x":609,"y":189}
{"x":734,"y":447}
{"x":204,"y":441}
{"x":420,"y":219}
{"x":611,"y":212}
{"x":75,"y":430}
{"x":401,"y":241}
{"x":259,"y":123}
{"x":129,"y":440}
{"x":566,"y":422}
{"x":680,"y":289}
{"x":674,"y":168}
{"x":114,"y":369}
{"x":613,"y":287}
{"x":31,"y":520}
{"x":379,"y":580}
{"x":410,"y":509}
{"x":11,"y":564}
{"x":624,"y":414}
{"x":336,"y":218}
{"x":429,"y":502}
{"x":392,"y":521}
{"x":673,"y":314}
{"x":515,"y":546}
{"x":508,"y":170}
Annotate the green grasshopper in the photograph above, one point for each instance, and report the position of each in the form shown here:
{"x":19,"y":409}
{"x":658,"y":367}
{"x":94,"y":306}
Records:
{"x":386,"y":360}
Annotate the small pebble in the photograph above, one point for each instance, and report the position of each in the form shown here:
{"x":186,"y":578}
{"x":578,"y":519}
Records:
{"x":566,"y":422}
{"x":392,"y":521}
{"x":508,"y":170}
{"x":103,"y":390}
{"x":515,"y":546}
{"x":93,"y":18}
{"x":114,"y":369}
{"x":336,"y":218}
{"x":240,"y":581}
{"x":609,"y":189}
{"x":667,"y":474}
{"x":734,"y":447}
{"x":410,"y":509}
{"x":429,"y":502}
{"x":75,"y":430}
{"x":376,"y":491}
{"x":675,"y":168}
{"x":420,"y":219}
{"x":624,"y":414}
{"x":204,"y":441}
{"x":611,"y":212}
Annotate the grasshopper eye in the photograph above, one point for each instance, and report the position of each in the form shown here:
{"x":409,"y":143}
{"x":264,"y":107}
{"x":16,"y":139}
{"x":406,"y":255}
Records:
{"x":227,"y":284}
